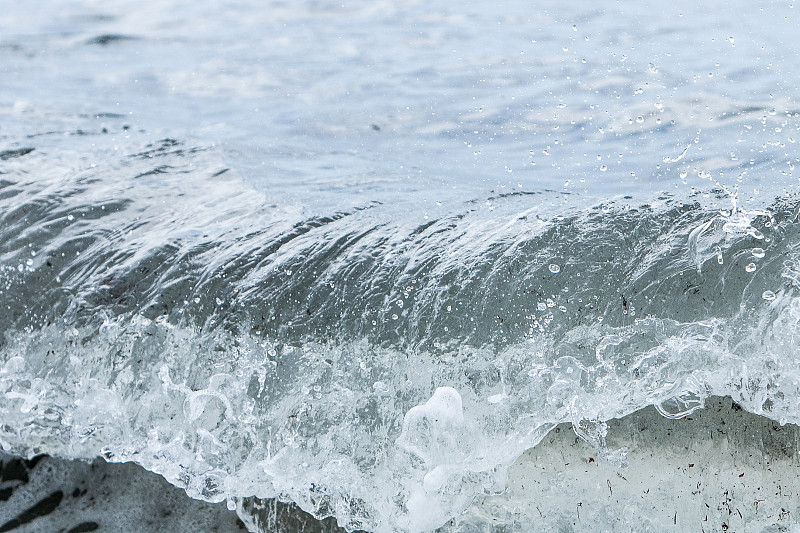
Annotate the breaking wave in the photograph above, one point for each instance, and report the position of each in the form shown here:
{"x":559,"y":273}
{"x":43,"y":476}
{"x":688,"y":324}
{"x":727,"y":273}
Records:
{"x":375,"y":364}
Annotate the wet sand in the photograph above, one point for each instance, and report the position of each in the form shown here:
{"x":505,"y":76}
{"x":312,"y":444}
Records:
{"x":719,"y":469}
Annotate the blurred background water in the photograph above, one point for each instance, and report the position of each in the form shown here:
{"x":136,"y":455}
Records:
{"x":329,"y":102}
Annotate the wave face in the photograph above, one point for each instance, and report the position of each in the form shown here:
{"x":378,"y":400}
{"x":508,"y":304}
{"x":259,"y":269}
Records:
{"x":381,"y":368}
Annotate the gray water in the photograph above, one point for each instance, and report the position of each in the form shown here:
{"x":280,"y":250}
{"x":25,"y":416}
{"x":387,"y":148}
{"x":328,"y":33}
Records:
{"x":361,"y":257}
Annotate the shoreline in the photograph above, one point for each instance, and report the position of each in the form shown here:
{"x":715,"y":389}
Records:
{"x":718,"y":469}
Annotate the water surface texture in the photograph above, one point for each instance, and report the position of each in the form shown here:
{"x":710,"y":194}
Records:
{"x":363,"y":256}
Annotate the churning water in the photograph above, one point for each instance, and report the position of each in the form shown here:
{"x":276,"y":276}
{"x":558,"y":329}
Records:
{"x":363,"y":256}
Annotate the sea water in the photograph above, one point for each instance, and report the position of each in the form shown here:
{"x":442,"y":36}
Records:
{"x":362,"y":256}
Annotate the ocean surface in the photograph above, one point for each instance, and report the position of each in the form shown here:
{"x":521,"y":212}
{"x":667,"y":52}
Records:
{"x":361,"y":256}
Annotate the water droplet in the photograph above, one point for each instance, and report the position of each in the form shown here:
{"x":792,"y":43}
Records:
{"x":768,"y":296}
{"x":555,"y":269}
{"x":70,"y":218}
{"x":400,"y":304}
{"x":639,"y":119}
{"x":758,"y":253}
{"x":541,"y":306}
{"x":603,"y":168}
{"x":750,"y":267}
{"x":395,"y":317}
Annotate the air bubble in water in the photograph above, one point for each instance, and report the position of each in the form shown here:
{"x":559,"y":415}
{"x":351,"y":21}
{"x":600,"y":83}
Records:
{"x":751,"y":267}
{"x":758,"y":253}
{"x":768,"y":296}
{"x":555,"y":269}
